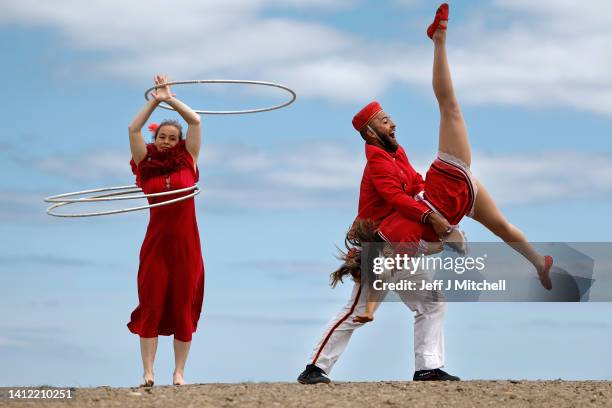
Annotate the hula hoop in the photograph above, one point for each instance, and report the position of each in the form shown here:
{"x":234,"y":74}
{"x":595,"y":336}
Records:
{"x":59,"y":202}
{"x":110,"y":197}
{"x":226,"y":81}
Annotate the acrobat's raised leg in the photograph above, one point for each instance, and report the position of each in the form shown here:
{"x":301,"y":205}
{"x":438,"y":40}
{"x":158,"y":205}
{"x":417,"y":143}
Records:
{"x":453,"y":138}
{"x":454,"y":141}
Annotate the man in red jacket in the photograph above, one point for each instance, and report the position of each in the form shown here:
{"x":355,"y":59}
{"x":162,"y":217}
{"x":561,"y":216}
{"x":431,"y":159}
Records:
{"x":389,"y":184}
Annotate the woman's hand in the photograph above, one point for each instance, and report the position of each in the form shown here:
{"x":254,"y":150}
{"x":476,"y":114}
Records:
{"x":163,"y":93}
{"x":364,"y":317}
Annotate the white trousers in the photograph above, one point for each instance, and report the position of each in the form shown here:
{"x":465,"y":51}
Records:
{"x":428,"y":330}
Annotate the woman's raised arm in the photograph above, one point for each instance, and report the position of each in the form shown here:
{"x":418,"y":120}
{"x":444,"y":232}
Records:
{"x":138,"y":145}
{"x":194,"y":129}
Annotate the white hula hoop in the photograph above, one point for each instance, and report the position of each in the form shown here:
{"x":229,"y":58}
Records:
{"x":60,"y":200}
{"x":227,"y":81}
{"x":110,"y":197}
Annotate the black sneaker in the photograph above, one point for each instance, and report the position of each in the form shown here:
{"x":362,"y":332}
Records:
{"x":434,"y":375}
{"x":313,"y":375}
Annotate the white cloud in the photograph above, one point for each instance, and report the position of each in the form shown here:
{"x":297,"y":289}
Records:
{"x":326,"y":174}
{"x":341,"y":80}
{"x":546,"y":53}
{"x":7,"y":342}
{"x":186,"y":37}
{"x":312,"y":174}
{"x":545,"y":176}
{"x":23,"y":206}
{"x":87,"y":166}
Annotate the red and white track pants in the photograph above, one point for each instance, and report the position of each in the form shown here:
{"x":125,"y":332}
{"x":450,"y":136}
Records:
{"x":428,"y":330}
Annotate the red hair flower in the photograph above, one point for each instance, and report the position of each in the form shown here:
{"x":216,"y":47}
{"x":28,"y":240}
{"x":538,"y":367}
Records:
{"x":153,"y":127}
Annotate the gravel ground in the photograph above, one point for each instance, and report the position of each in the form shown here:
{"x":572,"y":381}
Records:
{"x":342,"y":394}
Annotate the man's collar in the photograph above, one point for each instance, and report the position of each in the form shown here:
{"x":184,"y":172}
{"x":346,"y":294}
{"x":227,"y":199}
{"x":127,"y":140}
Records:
{"x":371,"y":149}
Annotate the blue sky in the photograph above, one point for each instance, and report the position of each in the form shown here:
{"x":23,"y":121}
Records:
{"x":280,"y":188}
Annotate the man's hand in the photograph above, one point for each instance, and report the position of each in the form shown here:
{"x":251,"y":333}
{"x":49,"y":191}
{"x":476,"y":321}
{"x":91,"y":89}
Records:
{"x":439,"y":224}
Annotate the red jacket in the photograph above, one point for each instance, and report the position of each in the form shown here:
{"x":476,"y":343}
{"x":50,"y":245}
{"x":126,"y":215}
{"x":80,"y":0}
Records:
{"x":389,"y":183}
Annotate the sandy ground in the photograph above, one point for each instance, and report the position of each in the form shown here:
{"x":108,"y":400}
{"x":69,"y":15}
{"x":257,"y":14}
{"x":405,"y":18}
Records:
{"x":372,"y":394}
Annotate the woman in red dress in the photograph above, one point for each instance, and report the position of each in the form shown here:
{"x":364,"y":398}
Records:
{"x":171,"y":271}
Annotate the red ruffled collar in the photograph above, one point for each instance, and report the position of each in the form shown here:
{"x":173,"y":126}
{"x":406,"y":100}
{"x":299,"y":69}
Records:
{"x":158,"y":163}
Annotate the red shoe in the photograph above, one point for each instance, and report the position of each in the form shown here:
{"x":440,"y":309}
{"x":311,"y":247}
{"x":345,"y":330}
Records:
{"x":441,"y":14}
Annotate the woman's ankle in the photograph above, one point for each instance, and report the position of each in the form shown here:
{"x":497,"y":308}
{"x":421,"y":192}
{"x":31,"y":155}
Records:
{"x":540,"y":264}
{"x":178,"y":378}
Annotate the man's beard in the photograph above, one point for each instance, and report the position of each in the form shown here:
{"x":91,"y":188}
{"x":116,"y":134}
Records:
{"x":387,"y":143}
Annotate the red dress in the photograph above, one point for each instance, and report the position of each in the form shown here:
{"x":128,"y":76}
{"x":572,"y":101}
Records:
{"x":171,"y":271}
{"x":449,"y":189}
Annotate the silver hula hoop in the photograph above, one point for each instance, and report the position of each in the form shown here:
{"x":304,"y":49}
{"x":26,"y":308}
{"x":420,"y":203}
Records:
{"x":226,"y":81}
{"x":60,"y":200}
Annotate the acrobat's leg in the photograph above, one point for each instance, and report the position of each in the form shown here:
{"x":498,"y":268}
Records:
{"x":453,"y":137}
{"x":488,"y":214}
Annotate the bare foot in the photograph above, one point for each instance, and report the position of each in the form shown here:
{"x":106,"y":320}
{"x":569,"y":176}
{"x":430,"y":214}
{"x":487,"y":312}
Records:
{"x":148,"y":380}
{"x":177,"y":378}
{"x":544,"y":272}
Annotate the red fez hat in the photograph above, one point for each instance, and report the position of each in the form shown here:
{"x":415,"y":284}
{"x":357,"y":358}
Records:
{"x":365,"y":115}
